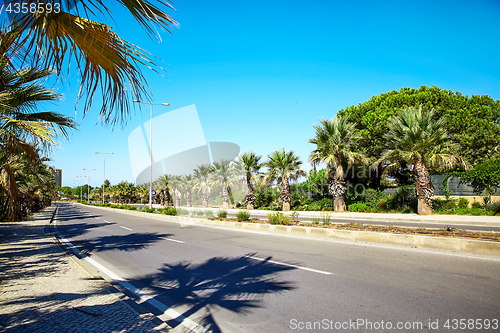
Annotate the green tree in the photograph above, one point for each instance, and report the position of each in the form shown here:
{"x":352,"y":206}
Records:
{"x":421,"y":140}
{"x":334,"y":142}
{"x":472,"y":122}
{"x":223,"y":174}
{"x":484,"y":177}
{"x":283,"y":167}
{"x":249,"y":165}
{"x":107,"y":65}
{"x":201,"y":178}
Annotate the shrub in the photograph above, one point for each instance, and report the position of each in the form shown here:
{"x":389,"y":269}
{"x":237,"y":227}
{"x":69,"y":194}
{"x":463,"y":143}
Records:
{"x":243,"y":215}
{"x":463,"y":203}
{"x":476,"y":205}
{"x":148,"y":210}
{"x":494,"y":207}
{"x":222,"y":214}
{"x":208,"y":214}
{"x":357,"y":207}
{"x":182,"y":211}
{"x":170,"y":211}
{"x":382,"y":204}
{"x":450,"y":204}
{"x":279,"y":218}
{"x":132,"y":207}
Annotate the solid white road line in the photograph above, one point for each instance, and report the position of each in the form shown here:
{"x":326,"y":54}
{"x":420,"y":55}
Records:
{"x":291,"y":265}
{"x":172,"y":240}
{"x":149,"y":298}
{"x":125,"y":228}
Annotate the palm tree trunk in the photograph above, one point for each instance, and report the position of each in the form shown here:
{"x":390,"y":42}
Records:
{"x":250,"y":196}
{"x":336,"y":188}
{"x":423,"y":189}
{"x":286,"y":196}
{"x":225,"y":196}
{"x":188,"y":198}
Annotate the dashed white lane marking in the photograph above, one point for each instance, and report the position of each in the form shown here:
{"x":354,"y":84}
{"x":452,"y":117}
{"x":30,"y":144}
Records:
{"x":125,"y":228}
{"x":143,"y":297}
{"x":107,"y":221}
{"x":172,"y":240}
{"x":291,"y":265}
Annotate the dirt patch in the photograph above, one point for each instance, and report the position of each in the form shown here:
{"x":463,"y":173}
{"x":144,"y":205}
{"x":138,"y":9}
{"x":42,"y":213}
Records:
{"x":446,"y":231}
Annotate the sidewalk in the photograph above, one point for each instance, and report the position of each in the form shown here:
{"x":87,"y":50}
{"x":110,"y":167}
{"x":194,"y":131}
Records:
{"x":42,"y":289}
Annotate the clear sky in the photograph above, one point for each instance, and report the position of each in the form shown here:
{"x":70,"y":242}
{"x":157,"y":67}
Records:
{"x":261,"y":73}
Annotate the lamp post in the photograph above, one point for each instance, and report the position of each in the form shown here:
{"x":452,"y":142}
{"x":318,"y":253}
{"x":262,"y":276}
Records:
{"x":151,"y":147}
{"x":88,"y":185}
{"x":103,"y":173}
{"x":81,"y":185}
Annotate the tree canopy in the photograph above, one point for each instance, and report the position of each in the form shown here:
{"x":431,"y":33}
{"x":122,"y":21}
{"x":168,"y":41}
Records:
{"x":473,"y":122}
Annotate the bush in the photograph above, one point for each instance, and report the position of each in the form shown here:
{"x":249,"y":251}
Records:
{"x":243,"y":215}
{"x":494,"y":207}
{"x":279,"y":218}
{"x":182,"y":211}
{"x":357,"y":207}
{"x":148,"y":210}
{"x":208,"y":214}
{"x":463,"y":203}
{"x":170,"y":211}
{"x":450,"y":204}
{"x":476,"y":205}
{"x":131,"y":207}
{"x":222,"y":214}
{"x":382,"y":204}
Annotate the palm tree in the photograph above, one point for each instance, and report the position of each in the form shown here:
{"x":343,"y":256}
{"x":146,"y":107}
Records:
{"x":335,"y":140}
{"x":25,"y":134}
{"x":248,"y":164}
{"x":175,"y":182}
{"x":186,"y":186}
{"x":422,"y":141}
{"x":283,"y":167}
{"x":223,"y":174}
{"x":106,"y":63}
{"x":201,"y":176}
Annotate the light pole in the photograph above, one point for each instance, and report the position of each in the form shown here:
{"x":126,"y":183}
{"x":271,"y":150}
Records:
{"x":81,"y":185}
{"x":151,"y":147}
{"x":88,"y":185}
{"x":103,"y":172}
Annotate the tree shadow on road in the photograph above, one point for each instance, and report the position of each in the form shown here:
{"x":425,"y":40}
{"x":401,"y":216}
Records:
{"x":237,"y":284}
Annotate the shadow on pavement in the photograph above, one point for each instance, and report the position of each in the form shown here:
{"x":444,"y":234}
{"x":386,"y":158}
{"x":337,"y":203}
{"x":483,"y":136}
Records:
{"x":237,"y":284}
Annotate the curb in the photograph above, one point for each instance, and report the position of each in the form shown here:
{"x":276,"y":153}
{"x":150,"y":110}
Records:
{"x":443,"y":243}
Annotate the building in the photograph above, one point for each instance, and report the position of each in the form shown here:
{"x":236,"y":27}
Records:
{"x":58,"y":173}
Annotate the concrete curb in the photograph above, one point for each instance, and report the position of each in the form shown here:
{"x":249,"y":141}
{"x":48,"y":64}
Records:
{"x":444,"y":243}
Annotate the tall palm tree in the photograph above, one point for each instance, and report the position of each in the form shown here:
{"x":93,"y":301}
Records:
{"x":106,"y":64}
{"x":186,"y":185}
{"x":335,"y":140}
{"x":283,"y":167}
{"x":223,"y":173}
{"x":422,"y":141}
{"x":249,"y":165}
{"x":201,"y":176}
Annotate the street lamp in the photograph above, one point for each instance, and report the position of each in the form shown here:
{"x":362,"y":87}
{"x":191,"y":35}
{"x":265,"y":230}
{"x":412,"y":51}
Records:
{"x":81,"y":185}
{"x":88,"y":186}
{"x":103,"y":173}
{"x":151,"y":147}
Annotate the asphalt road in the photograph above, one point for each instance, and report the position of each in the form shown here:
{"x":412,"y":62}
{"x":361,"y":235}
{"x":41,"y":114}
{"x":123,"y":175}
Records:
{"x":235,"y":281}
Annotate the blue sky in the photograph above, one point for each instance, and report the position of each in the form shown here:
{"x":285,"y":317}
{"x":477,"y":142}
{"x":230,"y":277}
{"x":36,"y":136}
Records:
{"x":261,"y":73}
